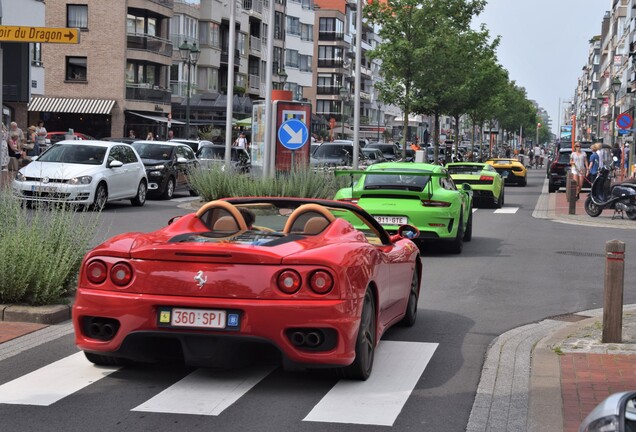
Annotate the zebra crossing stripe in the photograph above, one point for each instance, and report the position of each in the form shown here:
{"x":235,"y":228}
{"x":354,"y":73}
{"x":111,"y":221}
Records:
{"x":507,"y":210}
{"x":53,"y":382}
{"x":205,"y":391}
{"x":378,"y":400}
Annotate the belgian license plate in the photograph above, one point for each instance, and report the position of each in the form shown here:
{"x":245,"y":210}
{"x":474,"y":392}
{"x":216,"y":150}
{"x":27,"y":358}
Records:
{"x":43,"y":189}
{"x":391,"y":220}
{"x":195,"y":318}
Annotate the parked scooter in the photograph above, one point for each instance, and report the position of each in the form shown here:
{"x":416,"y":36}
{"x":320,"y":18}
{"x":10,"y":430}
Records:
{"x":620,"y":196}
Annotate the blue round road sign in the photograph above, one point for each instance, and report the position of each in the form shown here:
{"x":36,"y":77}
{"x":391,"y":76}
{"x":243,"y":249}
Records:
{"x":293,"y":134}
{"x":624,"y":121}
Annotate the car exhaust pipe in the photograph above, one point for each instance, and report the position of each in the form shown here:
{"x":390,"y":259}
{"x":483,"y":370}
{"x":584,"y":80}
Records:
{"x":298,"y":338}
{"x":108,"y":331}
{"x":95,"y":330}
{"x":313,"y":339}
{"x":622,"y":206}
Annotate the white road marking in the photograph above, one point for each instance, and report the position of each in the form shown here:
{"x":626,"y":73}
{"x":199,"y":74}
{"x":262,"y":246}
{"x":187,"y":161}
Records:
{"x":474,"y":210}
{"x":378,"y":400}
{"x":507,"y":210}
{"x":53,"y":382}
{"x":205,"y":391}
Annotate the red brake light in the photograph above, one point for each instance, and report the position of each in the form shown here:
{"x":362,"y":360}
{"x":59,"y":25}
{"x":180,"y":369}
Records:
{"x":96,"y":272}
{"x":289,"y":281}
{"x":486,"y":178}
{"x":431,"y":203}
{"x":321,"y":282}
{"x":121,"y":274}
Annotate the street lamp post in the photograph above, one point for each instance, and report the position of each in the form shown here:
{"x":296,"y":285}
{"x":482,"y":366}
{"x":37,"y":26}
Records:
{"x":538,"y":126}
{"x":600,"y":100}
{"x":190,"y":56}
{"x":344,"y":96}
{"x":616,"y":86}
{"x":379,"y":109}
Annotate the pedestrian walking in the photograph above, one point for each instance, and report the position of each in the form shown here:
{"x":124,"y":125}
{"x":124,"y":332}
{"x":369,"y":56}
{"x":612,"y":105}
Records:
{"x":578,"y":161}
{"x":537,"y":155}
{"x":592,"y":165}
{"x":241,"y":141}
{"x":150,"y":136}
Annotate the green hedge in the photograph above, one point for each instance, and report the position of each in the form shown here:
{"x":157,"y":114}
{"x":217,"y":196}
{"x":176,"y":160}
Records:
{"x":41,"y":249}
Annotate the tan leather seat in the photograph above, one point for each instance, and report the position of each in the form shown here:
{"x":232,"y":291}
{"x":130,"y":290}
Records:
{"x":315,"y":225}
{"x":225,"y":223}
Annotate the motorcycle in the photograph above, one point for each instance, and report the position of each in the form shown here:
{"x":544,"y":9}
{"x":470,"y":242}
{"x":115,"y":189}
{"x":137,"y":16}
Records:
{"x":620,"y":196}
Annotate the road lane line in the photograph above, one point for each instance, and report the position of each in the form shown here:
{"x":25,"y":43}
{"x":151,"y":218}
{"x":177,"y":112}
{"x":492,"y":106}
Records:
{"x":507,"y":210}
{"x":378,"y":400}
{"x":53,"y":382}
{"x":205,"y":391}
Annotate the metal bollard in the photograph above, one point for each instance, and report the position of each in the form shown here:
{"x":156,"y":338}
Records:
{"x":613,"y":295}
{"x":570,"y":193}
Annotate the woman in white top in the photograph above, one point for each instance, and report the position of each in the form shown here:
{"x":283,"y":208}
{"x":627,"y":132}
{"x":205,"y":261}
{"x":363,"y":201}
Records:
{"x":578,"y":161}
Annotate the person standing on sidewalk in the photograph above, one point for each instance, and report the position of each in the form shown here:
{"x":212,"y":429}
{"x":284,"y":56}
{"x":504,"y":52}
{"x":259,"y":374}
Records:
{"x":578,"y":161}
{"x":40,"y":138}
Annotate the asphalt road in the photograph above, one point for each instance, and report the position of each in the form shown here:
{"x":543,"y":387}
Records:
{"x":517,"y":270}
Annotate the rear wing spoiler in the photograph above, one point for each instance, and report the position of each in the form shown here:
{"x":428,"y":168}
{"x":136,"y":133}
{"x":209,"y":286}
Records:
{"x":383,"y":172}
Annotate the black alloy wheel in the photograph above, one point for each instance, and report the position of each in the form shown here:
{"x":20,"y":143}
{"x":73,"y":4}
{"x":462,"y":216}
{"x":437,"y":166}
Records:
{"x":361,"y":367}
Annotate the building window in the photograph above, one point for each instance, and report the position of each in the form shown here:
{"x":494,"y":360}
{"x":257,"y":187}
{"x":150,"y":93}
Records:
{"x":76,"y":68}
{"x":77,"y":16}
{"x":307,"y":32}
{"x":305,"y":63}
{"x":241,"y":43}
{"x":36,"y":54}
{"x":293,"y":26}
{"x":291,"y":58}
{"x":215,"y":35}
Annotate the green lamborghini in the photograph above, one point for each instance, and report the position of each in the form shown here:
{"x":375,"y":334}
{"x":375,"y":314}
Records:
{"x":486,"y":182}
{"x":418,"y":194}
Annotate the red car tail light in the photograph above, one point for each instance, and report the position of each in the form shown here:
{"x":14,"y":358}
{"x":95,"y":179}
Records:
{"x":289,"y":281}
{"x":431,"y":203}
{"x":486,"y":178}
{"x":96,"y":272}
{"x":121,"y":274}
{"x":321,"y":282}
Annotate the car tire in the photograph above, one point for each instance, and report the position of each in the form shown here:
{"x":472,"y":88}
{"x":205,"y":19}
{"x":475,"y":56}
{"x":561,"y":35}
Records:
{"x":552,"y":188}
{"x":523,"y":182}
{"x":500,"y":200}
{"x":101,"y":197}
{"x":168,"y":192}
{"x":361,"y":367}
{"x":104,"y":360}
{"x":468,"y":233}
{"x":140,"y":199}
{"x":410,"y":316}
{"x":591,"y":208}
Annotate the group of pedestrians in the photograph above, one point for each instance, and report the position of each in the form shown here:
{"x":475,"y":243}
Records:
{"x":17,"y":148}
{"x":586,"y":171}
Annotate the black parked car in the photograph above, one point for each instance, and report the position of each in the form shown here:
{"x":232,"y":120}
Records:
{"x":391,"y":152}
{"x":559,"y":165}
{"x":168,"y":165}
{"x":213,"y":154}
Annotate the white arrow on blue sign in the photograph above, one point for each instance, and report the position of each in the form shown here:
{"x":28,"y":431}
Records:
{"x":293,"y":134}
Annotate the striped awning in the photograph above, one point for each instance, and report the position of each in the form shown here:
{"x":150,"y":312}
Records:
{"x":71,"y":105}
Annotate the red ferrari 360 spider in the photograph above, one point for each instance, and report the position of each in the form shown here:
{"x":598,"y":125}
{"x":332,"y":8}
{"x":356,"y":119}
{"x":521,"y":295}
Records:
{"x":316,"y":282}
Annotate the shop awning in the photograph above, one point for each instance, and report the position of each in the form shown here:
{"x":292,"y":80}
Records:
{"x":159,"y":119}
{"x":71,"y":105}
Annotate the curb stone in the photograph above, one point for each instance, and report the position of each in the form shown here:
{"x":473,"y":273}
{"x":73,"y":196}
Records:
{"x":51,"y":314}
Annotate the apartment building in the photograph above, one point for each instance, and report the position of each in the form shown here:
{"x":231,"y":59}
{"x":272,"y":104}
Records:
{"x":117,"y":77}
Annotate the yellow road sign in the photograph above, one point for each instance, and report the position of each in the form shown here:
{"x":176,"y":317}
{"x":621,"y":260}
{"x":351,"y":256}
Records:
{"x":39,"y":34}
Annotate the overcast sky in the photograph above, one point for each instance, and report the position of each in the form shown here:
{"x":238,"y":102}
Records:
{"x":544,"y":44}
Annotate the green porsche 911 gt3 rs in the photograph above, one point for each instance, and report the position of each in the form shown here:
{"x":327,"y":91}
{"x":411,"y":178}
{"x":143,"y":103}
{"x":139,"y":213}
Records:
{"x":486,"y":182}
{"x":418,"y":194}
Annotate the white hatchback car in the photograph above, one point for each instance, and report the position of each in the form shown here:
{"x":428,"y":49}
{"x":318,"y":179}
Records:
{"x":84,"y":172}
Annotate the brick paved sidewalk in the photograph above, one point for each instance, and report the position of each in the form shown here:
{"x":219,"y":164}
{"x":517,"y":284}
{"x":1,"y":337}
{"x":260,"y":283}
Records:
{"x":587,"y":379}
{"x":12,"y":330}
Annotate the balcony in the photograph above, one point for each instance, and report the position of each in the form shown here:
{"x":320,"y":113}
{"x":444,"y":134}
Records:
{"x":330,"y":36}
{"x":328,"y":90}
{"x":147,"y":92}
{"x":254,"y":84}
{"x":166,"y":3}
{"x":141,"y":41}
{"x":330,"y":63}
{"x":225,"y":57}
{"x":255,"y":45}
{"x":253,"y":7}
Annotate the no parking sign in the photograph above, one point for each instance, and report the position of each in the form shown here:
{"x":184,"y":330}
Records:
{"x":624,"y":121}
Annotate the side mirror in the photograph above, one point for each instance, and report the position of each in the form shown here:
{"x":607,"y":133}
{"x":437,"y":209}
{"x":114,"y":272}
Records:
{"x":182,"y":160}
{"x":115,"y":164}
{"x":616,"y":413}
{"x":466,"y":187}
